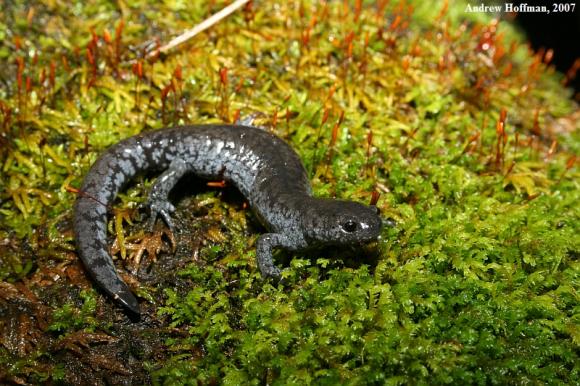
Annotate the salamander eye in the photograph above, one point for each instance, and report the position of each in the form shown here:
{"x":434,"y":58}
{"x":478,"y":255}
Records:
{"x":349,"y":226}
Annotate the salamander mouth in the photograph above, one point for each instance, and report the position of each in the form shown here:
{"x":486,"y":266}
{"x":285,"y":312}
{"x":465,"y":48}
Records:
{"x":362,"y":250}
{"x":368,"y":244}
{"x":357,"y":242}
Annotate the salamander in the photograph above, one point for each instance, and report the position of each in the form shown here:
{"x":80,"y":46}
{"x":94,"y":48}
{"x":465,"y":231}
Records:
{"x":263,"y":167}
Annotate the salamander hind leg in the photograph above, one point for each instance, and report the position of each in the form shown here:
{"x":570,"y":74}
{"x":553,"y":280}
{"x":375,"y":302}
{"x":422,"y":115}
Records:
{"x":158,"y":201}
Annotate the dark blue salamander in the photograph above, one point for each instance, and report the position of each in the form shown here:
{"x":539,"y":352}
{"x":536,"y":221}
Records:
{"x":262,"y":166}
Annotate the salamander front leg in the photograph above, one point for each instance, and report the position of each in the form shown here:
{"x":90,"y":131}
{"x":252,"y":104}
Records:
{"x":157,"y":201}
{"x":264,"y":248}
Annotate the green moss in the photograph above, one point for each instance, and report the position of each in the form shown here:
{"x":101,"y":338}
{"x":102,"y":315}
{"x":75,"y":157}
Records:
{"x":467,"y":135}
{"x":70,"y":317}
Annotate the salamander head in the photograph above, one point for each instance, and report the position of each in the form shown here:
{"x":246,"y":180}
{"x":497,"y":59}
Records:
{"x":338,"y":222}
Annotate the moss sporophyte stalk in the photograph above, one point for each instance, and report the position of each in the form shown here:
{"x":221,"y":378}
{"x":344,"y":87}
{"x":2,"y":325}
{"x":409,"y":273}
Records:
{"x":463,"y":137}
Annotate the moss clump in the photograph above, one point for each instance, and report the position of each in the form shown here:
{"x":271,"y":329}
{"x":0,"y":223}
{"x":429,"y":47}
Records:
{"x":469,"y":138}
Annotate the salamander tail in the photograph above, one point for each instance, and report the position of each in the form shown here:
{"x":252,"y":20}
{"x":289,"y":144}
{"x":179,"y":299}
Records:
{"x":127,"y":300}
{"x":91,"y":238}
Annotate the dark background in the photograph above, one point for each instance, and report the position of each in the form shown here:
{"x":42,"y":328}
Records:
{"x":559,"y":31}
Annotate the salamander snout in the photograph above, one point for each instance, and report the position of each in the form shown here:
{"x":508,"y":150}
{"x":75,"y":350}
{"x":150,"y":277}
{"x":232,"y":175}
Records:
{"x":360,"y":225}
{"x":343,"y":222}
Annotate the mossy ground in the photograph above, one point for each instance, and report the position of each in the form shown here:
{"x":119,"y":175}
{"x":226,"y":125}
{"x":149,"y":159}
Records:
{"x":468,"y":136}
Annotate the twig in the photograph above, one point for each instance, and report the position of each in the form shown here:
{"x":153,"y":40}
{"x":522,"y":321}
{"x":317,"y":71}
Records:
{"x":213,"y":19}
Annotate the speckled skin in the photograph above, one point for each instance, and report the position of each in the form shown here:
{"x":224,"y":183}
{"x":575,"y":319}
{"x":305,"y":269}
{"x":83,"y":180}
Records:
{"x":262,"y":166}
